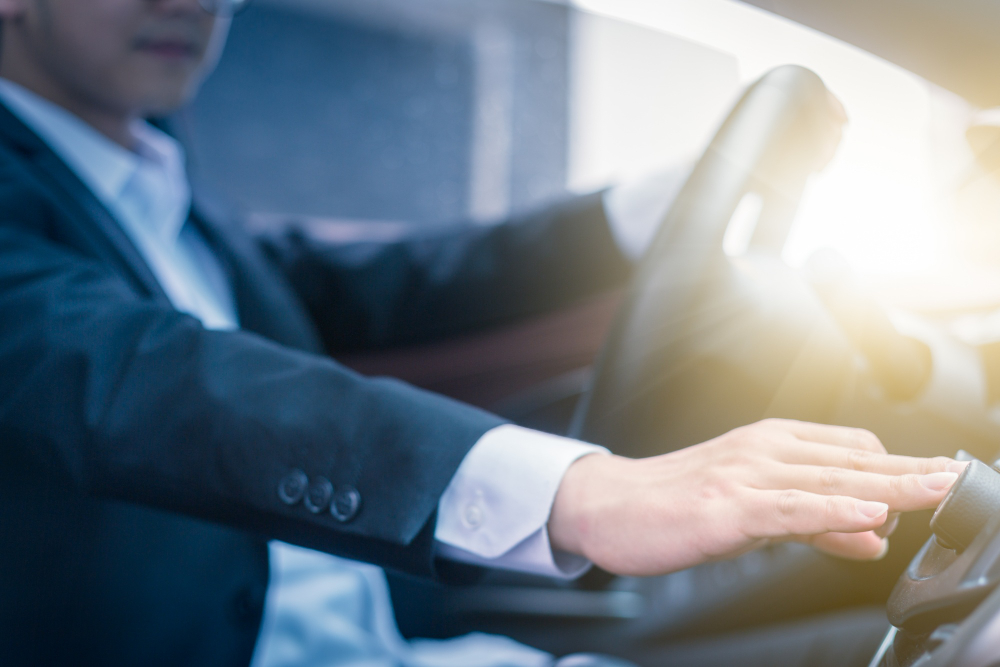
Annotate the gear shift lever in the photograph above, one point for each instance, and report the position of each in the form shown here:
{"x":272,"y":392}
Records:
{"x":972,"y":502}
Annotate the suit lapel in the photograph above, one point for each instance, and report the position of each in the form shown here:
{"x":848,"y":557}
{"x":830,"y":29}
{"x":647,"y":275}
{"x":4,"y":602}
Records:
{"x":266,"y":304}
{"x":94,"y":224}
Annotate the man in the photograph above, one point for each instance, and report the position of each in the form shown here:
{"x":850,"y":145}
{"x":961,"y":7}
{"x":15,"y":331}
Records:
{"x":166,"y":407}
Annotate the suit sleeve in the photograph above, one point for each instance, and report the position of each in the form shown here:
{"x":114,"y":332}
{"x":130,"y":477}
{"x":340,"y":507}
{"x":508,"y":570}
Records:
{"x":122,"y":398}
{"x":426,"y":286}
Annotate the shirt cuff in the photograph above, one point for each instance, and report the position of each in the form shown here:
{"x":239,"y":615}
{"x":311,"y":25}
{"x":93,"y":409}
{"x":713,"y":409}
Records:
{"x":495,"y":510}
{"x":635,"y":209}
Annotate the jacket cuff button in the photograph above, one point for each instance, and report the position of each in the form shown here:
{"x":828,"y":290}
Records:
{"x":292,"y":487}
{"x":346,"y":504}
{"x":319,"y":494}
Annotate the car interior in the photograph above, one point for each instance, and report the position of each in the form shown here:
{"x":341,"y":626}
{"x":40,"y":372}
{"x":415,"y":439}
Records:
{"x":465,"y":111}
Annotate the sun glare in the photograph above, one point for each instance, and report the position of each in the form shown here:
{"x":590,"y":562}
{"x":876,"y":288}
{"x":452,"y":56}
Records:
{"x":874,"y":203}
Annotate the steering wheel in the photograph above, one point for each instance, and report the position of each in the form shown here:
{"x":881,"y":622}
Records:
{"x":706,"y":342}
{"x":678,"y":332}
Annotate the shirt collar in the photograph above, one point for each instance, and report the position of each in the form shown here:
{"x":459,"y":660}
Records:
{"x":104,"y":166}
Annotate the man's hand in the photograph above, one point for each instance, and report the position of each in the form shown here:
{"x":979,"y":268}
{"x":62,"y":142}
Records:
{"x":829,"y":486}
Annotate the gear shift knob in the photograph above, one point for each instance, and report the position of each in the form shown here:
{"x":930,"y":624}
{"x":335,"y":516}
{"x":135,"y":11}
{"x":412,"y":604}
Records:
{"x":968,"y":507}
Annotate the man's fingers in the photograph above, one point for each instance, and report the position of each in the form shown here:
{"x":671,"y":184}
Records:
{"x":840,"y":436}
{"x":782,"y":514}
{"x":859,"y":459}
{"x":857,"y":546}
{"x":903,"y":493}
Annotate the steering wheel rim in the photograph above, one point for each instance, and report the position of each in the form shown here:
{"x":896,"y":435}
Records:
{"x":785,"y":127}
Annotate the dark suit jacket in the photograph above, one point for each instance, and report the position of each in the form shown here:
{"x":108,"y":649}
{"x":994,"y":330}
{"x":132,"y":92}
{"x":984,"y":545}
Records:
{"x":140,"y":455}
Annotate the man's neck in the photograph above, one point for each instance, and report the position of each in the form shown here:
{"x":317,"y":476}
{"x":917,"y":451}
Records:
{"x":114,"y":125}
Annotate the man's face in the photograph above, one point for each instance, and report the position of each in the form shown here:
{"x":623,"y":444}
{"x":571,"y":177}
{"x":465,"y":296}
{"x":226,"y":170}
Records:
{"x":127,"y":56}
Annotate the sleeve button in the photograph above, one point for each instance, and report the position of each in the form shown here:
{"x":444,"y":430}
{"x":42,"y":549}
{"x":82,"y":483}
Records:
{"x":292,"y":487}
{"x":346,"y":504}
{"x":319,"y":494}
{"x":473,"y":517}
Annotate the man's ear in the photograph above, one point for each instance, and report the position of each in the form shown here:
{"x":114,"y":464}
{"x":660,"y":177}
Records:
{"x":12,"y":9}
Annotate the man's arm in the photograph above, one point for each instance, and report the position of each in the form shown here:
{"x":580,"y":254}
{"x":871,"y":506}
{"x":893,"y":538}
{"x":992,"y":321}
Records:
{"x":432,"y":284}
{"x":125,"y":399}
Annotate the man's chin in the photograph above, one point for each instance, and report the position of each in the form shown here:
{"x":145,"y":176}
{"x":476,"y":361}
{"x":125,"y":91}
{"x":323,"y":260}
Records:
{"x":164,"y":101}
{"x":161,"y":88}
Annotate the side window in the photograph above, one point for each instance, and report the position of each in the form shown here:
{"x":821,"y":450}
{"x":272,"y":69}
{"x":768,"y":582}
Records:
{"x":386,"y":111}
